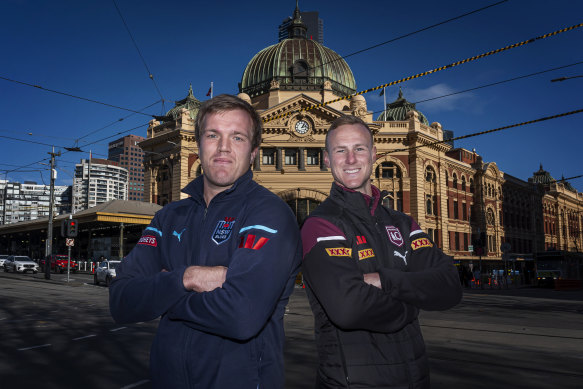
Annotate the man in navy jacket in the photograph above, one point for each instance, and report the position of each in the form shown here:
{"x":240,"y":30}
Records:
{"x":218,"y":267}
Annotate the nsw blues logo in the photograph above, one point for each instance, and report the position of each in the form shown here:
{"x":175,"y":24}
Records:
{"x":223,"y":230}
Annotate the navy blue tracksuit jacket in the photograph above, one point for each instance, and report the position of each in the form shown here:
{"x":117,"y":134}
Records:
{"x":231,"y":337}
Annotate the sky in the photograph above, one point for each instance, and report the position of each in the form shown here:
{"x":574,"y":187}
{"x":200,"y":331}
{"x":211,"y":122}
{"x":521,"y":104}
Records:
{"x":83,"y":48}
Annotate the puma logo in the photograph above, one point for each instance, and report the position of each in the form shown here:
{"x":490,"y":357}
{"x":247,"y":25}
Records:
{"x":398,"y":254}
{"x":178,"y":235}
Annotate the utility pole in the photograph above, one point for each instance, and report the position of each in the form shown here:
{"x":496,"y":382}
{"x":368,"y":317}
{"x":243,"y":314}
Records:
{"x":49,"y":245}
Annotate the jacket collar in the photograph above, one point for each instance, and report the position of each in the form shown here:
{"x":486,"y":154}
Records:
{"x":195,"y":188}
{"x":354,"y":199}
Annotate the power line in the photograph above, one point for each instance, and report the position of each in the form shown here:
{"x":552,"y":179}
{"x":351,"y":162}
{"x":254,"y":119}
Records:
{"x":438,"y":69}
{"x":491,"y":84}
{"x":139,"y":52}
{"x":484,"y":132}
{"x":73,"y":96}
{"x":412,"y":33}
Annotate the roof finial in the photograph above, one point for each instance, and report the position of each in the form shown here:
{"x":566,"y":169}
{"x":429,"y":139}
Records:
{"x":297,"y":28}
{"x":190,"y":92}
{"x":400,"y":93}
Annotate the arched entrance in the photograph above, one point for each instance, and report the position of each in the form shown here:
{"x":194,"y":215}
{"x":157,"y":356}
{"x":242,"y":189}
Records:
{"x":302,"y":201}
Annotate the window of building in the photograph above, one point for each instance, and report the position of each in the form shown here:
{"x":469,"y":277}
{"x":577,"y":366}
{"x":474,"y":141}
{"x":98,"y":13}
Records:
{"x":456,"y":236}
{"x":388,"y":170}
{"x":463,"y":183}
{"x":430,"y":174}
{"x":471,"y":185}
{"x":268,"y":157}
{"x":429,"y":205}
{"x":291,"y":156}
{"x":454,"y":181}
{"x":455,"y":210}
{"x":464,"y":211}
{"x":313,"y":157}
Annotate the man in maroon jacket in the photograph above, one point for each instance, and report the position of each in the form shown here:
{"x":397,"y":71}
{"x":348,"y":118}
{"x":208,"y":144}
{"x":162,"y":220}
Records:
{"x":368,"y":271}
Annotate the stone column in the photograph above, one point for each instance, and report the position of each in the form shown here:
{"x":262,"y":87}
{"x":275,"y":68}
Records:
{"x":278,"y":161}
{"x":302,"y":164}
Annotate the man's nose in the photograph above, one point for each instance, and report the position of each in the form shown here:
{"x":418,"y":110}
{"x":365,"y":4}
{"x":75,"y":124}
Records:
{"x":224,"y":144}
{"x":350,"y":157}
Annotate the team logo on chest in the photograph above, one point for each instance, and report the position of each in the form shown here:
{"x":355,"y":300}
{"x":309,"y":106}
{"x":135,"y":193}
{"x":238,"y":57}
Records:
{"x":394,"y":235}
{"x":223,"y":230}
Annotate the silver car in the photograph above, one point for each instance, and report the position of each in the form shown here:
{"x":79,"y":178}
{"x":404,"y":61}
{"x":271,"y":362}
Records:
{"x":20,"y":264}
{"x":105,"y":272}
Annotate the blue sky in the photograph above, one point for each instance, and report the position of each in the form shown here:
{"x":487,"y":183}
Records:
{"x":82,"y":48}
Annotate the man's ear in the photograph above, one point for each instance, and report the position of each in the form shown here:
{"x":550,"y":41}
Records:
{"x":326,"y":159}
{"x":253,"y":154}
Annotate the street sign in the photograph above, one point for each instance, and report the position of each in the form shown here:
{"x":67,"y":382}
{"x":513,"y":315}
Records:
{"x":470,"y":248}
{"x":70,"y":242}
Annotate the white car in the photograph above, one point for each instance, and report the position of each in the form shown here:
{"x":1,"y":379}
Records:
{"x":105,"y":272}
{"x":20,"y":264}
{"x":2,"y":259}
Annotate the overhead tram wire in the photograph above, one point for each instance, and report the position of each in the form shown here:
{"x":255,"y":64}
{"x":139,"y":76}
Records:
{"x":491,"y":84}
{"x":150,"y":75}
{"x":451,"y":65}
{"x":410,"y":33}
{"x":73,"y":96}
{"x":482,"y":132}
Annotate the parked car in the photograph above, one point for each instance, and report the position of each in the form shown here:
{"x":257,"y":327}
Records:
{"x":2,"y":259}
{"x":105,"y":272}
{"x":59,"y":263}
{"x":20,"y":264}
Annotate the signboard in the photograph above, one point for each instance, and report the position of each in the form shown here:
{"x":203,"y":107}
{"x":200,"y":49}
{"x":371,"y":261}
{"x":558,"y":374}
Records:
{"x":70,"y":242}
{"x":470,"y":248}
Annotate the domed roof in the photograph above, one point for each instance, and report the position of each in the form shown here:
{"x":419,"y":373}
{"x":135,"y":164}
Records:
{"x":299,"y":64}
{"x":190,"y":103}
{"x":542,"y":177}
{"x":397,"y":111}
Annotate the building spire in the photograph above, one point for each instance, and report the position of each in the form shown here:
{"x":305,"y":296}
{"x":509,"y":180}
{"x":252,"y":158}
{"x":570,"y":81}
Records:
{"x":297,"y":28}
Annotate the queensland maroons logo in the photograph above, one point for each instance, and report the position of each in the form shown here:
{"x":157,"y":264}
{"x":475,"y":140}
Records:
{"x":394,"y":235}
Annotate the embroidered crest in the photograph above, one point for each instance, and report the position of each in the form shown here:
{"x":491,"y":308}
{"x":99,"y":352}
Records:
{"x":394,"y":235}
{"x":364,"y":254}
{"x":339,"y":252}
{"x":148,"y":240}
{"x":223,"y":230}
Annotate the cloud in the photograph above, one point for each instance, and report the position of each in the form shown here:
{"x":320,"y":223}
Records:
{"x":437,"y":98}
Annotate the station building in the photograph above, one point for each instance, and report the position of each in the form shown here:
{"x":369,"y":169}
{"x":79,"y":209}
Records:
{"x":461,"y":200}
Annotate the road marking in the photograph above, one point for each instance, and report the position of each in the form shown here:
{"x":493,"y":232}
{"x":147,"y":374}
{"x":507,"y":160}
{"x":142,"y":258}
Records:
{"x":117,"y":329}
{"x":142,"y":382}
{"x":85,"y":337}
{"x":30,"y":348}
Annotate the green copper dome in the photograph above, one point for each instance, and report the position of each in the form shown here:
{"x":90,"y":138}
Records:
{"x":298,"y":64}
{"x":191,"y":103}
{"x":397,"y":111}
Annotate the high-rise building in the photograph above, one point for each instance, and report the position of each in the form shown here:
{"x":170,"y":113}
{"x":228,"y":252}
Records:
{"x":130,"y":156}
{"x":98,"y":181}
{"x":29,"y":201}
{"x":315,"y":27}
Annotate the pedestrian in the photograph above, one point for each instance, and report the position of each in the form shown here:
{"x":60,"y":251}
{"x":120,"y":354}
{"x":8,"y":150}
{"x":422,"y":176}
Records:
{"x":368,"y":272}
{"x":218,"y":266}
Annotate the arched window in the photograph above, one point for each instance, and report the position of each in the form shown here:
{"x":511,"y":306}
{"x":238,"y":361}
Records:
{"x":463,"y":183}
{"x":490,"y":217}
{"x":388,"y":170}
{"x":471,"y":185}
{"x":455,"y":181}
{"x":430,"y":174}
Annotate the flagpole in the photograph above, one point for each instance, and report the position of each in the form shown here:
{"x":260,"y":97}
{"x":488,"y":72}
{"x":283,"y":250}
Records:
{"x":385,"y":100}
{"x":211,"y":89}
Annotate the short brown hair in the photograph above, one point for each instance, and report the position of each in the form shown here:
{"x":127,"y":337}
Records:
{"x":224,"y":103}
{"x":347,"y":119}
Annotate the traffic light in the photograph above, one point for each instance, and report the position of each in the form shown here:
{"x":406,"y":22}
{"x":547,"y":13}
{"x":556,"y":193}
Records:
{"x":72,"y":228}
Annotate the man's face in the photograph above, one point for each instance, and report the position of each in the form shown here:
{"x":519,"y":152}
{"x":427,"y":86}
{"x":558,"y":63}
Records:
{"x":350,"y":157}
{"x":225,"y":148}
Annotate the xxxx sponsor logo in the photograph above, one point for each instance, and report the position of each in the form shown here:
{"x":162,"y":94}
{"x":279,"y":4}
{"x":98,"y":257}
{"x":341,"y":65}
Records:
{"x":364,"y":254}
{"x":339,"y":252}
{"x":420,"y":243}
